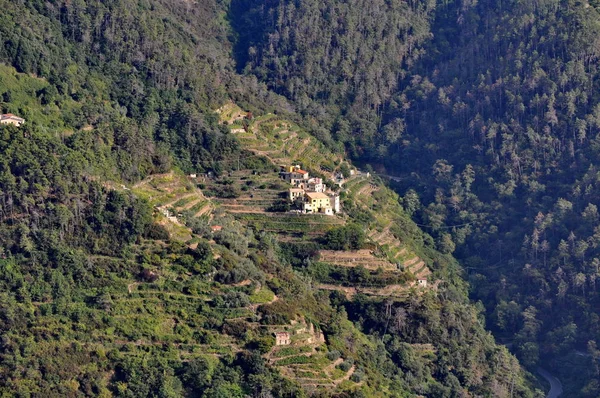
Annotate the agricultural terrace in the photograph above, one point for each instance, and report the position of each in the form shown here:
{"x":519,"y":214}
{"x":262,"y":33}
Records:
{"x":381,"y":265}
{"x":284,"y":143}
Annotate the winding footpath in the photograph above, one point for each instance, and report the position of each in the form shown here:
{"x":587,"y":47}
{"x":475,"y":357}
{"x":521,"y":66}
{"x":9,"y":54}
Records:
{"x":555,"y":385}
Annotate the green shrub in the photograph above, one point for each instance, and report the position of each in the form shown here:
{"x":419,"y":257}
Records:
{"x":333,"y":355}
{"x":346,"y":365}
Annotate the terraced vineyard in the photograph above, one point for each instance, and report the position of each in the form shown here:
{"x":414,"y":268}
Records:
{"x":308,"y":361}
{"x":383,"y":204}
{"x":285,"y":143}
{"x":354,"y":258}
{"x":313,"y":225}
{"x":244,"y":199}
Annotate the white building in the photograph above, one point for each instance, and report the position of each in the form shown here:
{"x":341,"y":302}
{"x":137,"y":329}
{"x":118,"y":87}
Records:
{"x":9,"y":118}
{"x":316,"y":185}
{"x":334,"y":201}
{"x":282,"y":338}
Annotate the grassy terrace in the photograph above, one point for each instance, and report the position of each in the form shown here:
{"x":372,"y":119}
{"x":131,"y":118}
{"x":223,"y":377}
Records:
{"x":309,"y":224}
{"x":386,"y":225}
{"x":284,"y":143}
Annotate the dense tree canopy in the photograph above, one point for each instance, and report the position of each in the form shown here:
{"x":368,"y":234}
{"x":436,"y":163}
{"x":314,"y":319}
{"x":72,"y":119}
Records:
{"x":98,"y":300}
{"x":488,"y":111}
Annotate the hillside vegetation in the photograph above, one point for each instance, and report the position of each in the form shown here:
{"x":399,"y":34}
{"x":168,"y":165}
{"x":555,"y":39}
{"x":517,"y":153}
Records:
{"x":490,"y":127}
{"x":125,"y":276}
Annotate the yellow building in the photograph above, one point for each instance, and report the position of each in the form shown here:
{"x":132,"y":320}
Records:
{"x":316,"y":202}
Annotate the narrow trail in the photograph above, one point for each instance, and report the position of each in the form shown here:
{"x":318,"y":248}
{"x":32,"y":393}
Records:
{"x":346,"y":377}
{"x":331,"y":366}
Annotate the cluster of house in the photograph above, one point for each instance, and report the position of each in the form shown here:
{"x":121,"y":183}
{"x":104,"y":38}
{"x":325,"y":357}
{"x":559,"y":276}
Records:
{"x":310,"y":194}
{"x":9,"y":118}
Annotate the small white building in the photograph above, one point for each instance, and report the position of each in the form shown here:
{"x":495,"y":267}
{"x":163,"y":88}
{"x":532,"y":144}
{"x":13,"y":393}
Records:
{"x":334,"y":201}
{"x":316,"y":185}
{"x":328,"y":211}
{"x":9,"y":118}
{"x":282,"y":338}
{"x":422,"y":282}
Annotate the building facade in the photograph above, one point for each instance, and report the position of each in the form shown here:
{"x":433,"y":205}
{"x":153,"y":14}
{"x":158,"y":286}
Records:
{"x":9,"y":118}
{"x":282,"y":338}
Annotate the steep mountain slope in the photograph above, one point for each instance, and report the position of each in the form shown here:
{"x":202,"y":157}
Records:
{"x":513,"y":127}
{"x":339,"y":61}
{"x":123,"y":277}
{"x":492,"y":133}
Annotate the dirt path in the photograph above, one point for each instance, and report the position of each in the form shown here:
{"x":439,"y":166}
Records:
{"x":349,"y":291}
{"x":331,"y":366}
{"x":346,"y":377}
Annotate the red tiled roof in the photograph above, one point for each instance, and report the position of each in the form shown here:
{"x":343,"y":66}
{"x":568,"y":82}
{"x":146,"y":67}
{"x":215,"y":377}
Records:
{"x":10,"y":116}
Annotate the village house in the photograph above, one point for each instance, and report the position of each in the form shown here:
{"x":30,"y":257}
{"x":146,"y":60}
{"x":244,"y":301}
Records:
{"x":296,"y":176}
{"x":9,"y":118}
{"x":334,"y":201}
{"x":316,"y":185}
{"x":311,"y":193}
{"x":317,"y":202}
{"x":282,"y":338}
{"x":296,"y":169}
{"x":422,"y":282}
{"x":216,"y":228}
{"x":295,"y":194}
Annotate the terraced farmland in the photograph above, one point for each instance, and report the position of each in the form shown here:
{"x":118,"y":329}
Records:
{"x":354,"y":258}
{"x":312,"y":225}
{"x":383,"y":206}
{"x":307,"y":361}
{"x":285,"y":143}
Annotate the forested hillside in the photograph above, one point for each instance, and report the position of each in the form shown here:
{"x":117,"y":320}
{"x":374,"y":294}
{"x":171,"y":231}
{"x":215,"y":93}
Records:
{"x":492,"y":127}
{"x":122,"y":275}
{"x":339,"y":61}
